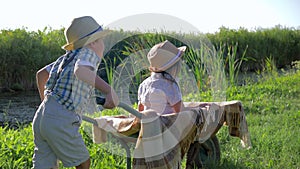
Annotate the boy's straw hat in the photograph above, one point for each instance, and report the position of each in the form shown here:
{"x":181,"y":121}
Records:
{"x":82,"y":31}
{"x":164,"y":55}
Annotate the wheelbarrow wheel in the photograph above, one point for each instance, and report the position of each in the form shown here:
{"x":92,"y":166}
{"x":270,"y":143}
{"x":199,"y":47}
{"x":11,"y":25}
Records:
{"x":205,"y":154}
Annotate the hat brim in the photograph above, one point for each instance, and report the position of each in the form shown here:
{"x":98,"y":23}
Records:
{"x":82,"y":42}
{"x":154,"y":69}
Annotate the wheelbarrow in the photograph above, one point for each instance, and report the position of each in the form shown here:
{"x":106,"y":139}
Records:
{"x":201,"y":151}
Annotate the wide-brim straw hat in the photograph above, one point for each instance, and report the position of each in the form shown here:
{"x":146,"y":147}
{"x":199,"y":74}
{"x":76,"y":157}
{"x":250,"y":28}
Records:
{"x":164,"y":55}
{"x":82,"y":31}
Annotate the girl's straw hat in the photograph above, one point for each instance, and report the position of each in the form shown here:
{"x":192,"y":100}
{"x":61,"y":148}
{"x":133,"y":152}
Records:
{"x":82,"y":31}
{"x":164,"y":55}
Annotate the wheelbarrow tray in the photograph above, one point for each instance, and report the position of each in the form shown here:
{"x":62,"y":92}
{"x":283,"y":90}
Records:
{"x":199,"y":152}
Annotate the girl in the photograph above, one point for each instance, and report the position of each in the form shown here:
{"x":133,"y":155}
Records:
{"x":160,"y":91}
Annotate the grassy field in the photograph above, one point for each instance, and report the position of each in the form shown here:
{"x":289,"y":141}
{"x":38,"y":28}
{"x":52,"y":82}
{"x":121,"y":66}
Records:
{"x":272,"y":107}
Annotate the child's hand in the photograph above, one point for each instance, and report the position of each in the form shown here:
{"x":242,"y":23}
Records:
{"x":111,"y":100}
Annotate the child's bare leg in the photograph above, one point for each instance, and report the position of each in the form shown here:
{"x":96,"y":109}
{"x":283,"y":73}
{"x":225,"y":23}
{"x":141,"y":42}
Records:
{"x":57,"y":164}
{"x":84,"y":165}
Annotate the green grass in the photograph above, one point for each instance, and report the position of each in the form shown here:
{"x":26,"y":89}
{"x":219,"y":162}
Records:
{"x":16,"y":148}
{"x":273,"y":116}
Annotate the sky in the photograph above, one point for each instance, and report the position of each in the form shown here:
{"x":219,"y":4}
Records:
{"x":203,"y":15}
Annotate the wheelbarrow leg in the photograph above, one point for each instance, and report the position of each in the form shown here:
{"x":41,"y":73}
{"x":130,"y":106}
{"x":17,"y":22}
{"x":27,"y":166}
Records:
{"x":128,"y":152}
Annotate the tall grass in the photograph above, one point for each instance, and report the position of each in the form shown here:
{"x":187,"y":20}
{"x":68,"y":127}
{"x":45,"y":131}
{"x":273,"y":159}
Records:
{"x":23,"y":52}
{"x":278,"y":41}
{"x":234,"y":63}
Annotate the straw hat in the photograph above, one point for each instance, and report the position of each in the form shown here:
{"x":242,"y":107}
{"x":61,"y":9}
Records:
{"x":82,"y":31}
{"x":164,"y":55}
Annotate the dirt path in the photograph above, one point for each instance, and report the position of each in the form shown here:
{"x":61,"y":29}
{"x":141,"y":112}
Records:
{"x":18,"y":108}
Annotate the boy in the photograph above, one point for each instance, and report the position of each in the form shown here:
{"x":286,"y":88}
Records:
{"x":65,"y":87}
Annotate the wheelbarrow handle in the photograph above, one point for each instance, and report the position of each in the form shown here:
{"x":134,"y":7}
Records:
{"x":101,"y":101}
{"x":130,"y":110}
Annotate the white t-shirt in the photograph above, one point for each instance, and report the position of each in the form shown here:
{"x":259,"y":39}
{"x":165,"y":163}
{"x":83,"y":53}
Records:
{"x":159,"y":94}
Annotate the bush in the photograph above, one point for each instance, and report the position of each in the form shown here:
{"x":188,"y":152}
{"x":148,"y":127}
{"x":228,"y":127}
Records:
{"x":23,"y":52}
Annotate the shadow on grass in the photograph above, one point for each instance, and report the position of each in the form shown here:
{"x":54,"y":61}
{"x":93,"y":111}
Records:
{"x":225,"y":164}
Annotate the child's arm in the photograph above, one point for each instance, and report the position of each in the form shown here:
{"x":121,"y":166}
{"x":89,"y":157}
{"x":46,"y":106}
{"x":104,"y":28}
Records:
{"x":85,"y":74}
{"x":177,"y":107}
{"x":42,"y":76}
{"x":140,"y":107}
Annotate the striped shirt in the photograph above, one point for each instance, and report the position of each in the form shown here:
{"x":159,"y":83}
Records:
{"x":69,"y":91}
